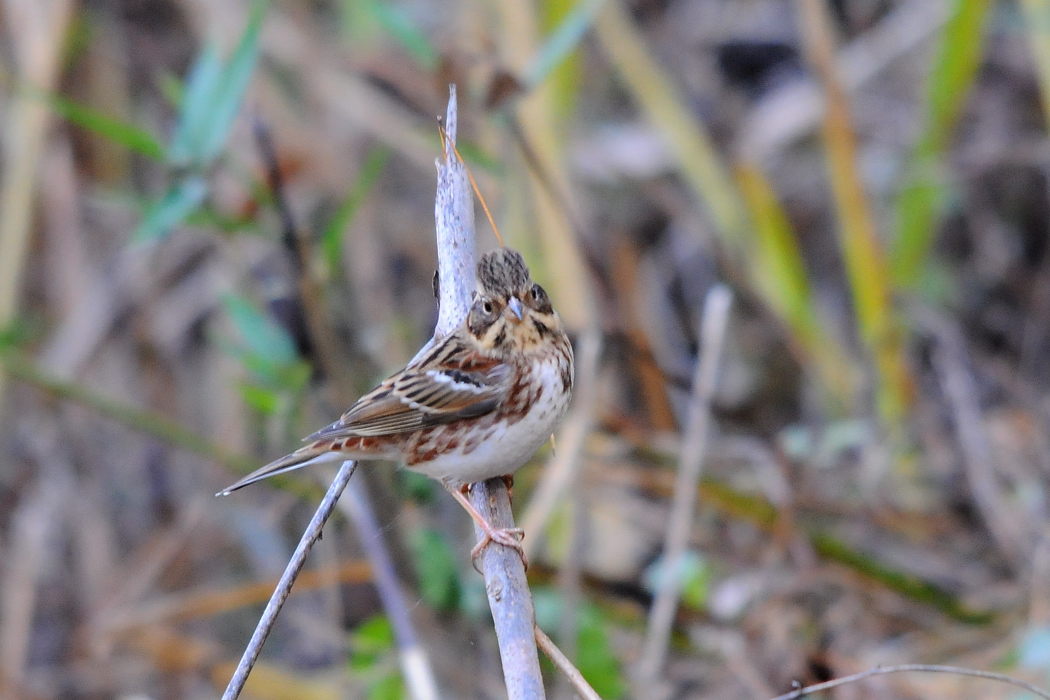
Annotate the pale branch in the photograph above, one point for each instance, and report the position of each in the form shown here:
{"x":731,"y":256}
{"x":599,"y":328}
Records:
{"x":694,"y":444}
{"x":509,"y":597}
{"x":508,"y":591}
{"x":562,"y":663}
{"x":454,"y":218}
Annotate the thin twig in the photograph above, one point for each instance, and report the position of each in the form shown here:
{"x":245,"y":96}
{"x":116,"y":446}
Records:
{"x":508,"y":591}
{"x":562,"y":663}
{"x":907,"y":668}
{"x":284,"y":586}
{"x":661,"y":615}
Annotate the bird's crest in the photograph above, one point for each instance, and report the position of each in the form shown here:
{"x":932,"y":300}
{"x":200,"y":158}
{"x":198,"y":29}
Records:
{"x":503,"y":272}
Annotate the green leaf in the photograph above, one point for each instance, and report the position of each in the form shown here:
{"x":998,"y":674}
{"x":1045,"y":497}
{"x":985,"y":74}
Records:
{"x":213,"y":95}
{"x":265,"y":401}
{"x":417,"y":487}
{"x":389,"y":687}
{"x":400,"y":26}
{"x":562,"y":41}
{"x":262,"y":336}
{"x":595,"y":658}
{"x":435,"y":564}
{"x":692,"y":577}
{"x":331,"y":238}
{"x":197,"y":96}
{"x":922,"y":195}
{"x":208,"y":216}
{"x":17,"y":332}
{"x":171,"y":209}
{"x":132,"y":137}
{"x":373,"y":639}
{"x":230,"y":90}
{"x":171,"y":89}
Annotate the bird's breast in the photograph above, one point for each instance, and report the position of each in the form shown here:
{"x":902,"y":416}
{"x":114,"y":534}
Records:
{"x":499,"y":442}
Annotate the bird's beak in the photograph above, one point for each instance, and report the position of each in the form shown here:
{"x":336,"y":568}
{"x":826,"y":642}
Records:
{"x":515,"y":305}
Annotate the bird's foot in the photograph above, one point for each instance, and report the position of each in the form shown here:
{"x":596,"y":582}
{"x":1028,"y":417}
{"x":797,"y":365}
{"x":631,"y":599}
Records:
{"x":506,"y":536}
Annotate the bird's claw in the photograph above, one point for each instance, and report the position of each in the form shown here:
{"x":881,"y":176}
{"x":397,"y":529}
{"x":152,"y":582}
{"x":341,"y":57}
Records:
{"x":506,"y":536}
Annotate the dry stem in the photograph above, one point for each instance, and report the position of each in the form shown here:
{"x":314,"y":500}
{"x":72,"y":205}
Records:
{"x":905,"y":668}
{"x":508,"y":591}
{"x":661,"y":615}
{"x":284,"y":587}
{"x":562,"y":663}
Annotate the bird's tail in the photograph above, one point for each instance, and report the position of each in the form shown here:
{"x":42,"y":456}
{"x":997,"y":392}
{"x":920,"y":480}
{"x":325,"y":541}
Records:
{"x":311,"y":454}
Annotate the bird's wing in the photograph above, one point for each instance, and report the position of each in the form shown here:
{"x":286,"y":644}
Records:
{"x":446,"y":383}
{"x":449,"y":383}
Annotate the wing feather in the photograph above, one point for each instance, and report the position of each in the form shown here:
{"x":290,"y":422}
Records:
{"x":446,"y":384}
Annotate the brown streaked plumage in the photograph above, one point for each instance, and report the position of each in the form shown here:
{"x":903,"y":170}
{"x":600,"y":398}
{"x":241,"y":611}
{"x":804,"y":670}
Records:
{"x":475,"y":405}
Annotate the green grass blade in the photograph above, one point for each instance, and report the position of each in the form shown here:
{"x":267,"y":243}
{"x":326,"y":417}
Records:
{"x":229,"y":93}
{"x":687,"y":138}
{"x":131,"y":136}
{"x":919,"y":202}
{"x":332,"y":237}
{"x":782,"y":280}
{"x":562,"y":41}
{"x":400,"y":26}
{"x":261,"y":335}
{"x":169,"y":211}
{"x":197,"y":97}
{"x":867,"y":268}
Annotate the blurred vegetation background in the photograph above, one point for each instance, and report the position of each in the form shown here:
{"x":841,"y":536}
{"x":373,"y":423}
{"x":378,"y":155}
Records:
{"x":872,"y":177}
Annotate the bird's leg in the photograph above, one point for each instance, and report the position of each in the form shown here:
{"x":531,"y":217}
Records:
{"x":506,"y":536}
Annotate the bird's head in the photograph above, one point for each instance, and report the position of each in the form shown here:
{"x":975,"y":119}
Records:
{"x":510,"y":313}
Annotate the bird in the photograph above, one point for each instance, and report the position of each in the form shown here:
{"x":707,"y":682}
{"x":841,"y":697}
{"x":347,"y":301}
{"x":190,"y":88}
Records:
{"x":474,"y":404}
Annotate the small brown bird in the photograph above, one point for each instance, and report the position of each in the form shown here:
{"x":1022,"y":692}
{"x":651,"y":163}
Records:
{"x":477,"y":404}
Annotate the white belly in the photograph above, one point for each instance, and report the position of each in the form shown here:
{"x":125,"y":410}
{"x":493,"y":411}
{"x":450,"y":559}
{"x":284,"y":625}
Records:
{"x":509,"y":446}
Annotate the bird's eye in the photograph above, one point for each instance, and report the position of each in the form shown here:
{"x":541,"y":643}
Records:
{"x":487,"y":307}
{"x":536,"y":292}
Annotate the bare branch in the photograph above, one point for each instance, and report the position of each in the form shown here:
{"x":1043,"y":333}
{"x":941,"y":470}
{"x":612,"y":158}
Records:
{"x":505,"y":583}
{"x":284,"y":586}
{"x":908,"y":668}
{"x":562,"y":663}
{"x":454,"y":216}
{"x":694,"y":444}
